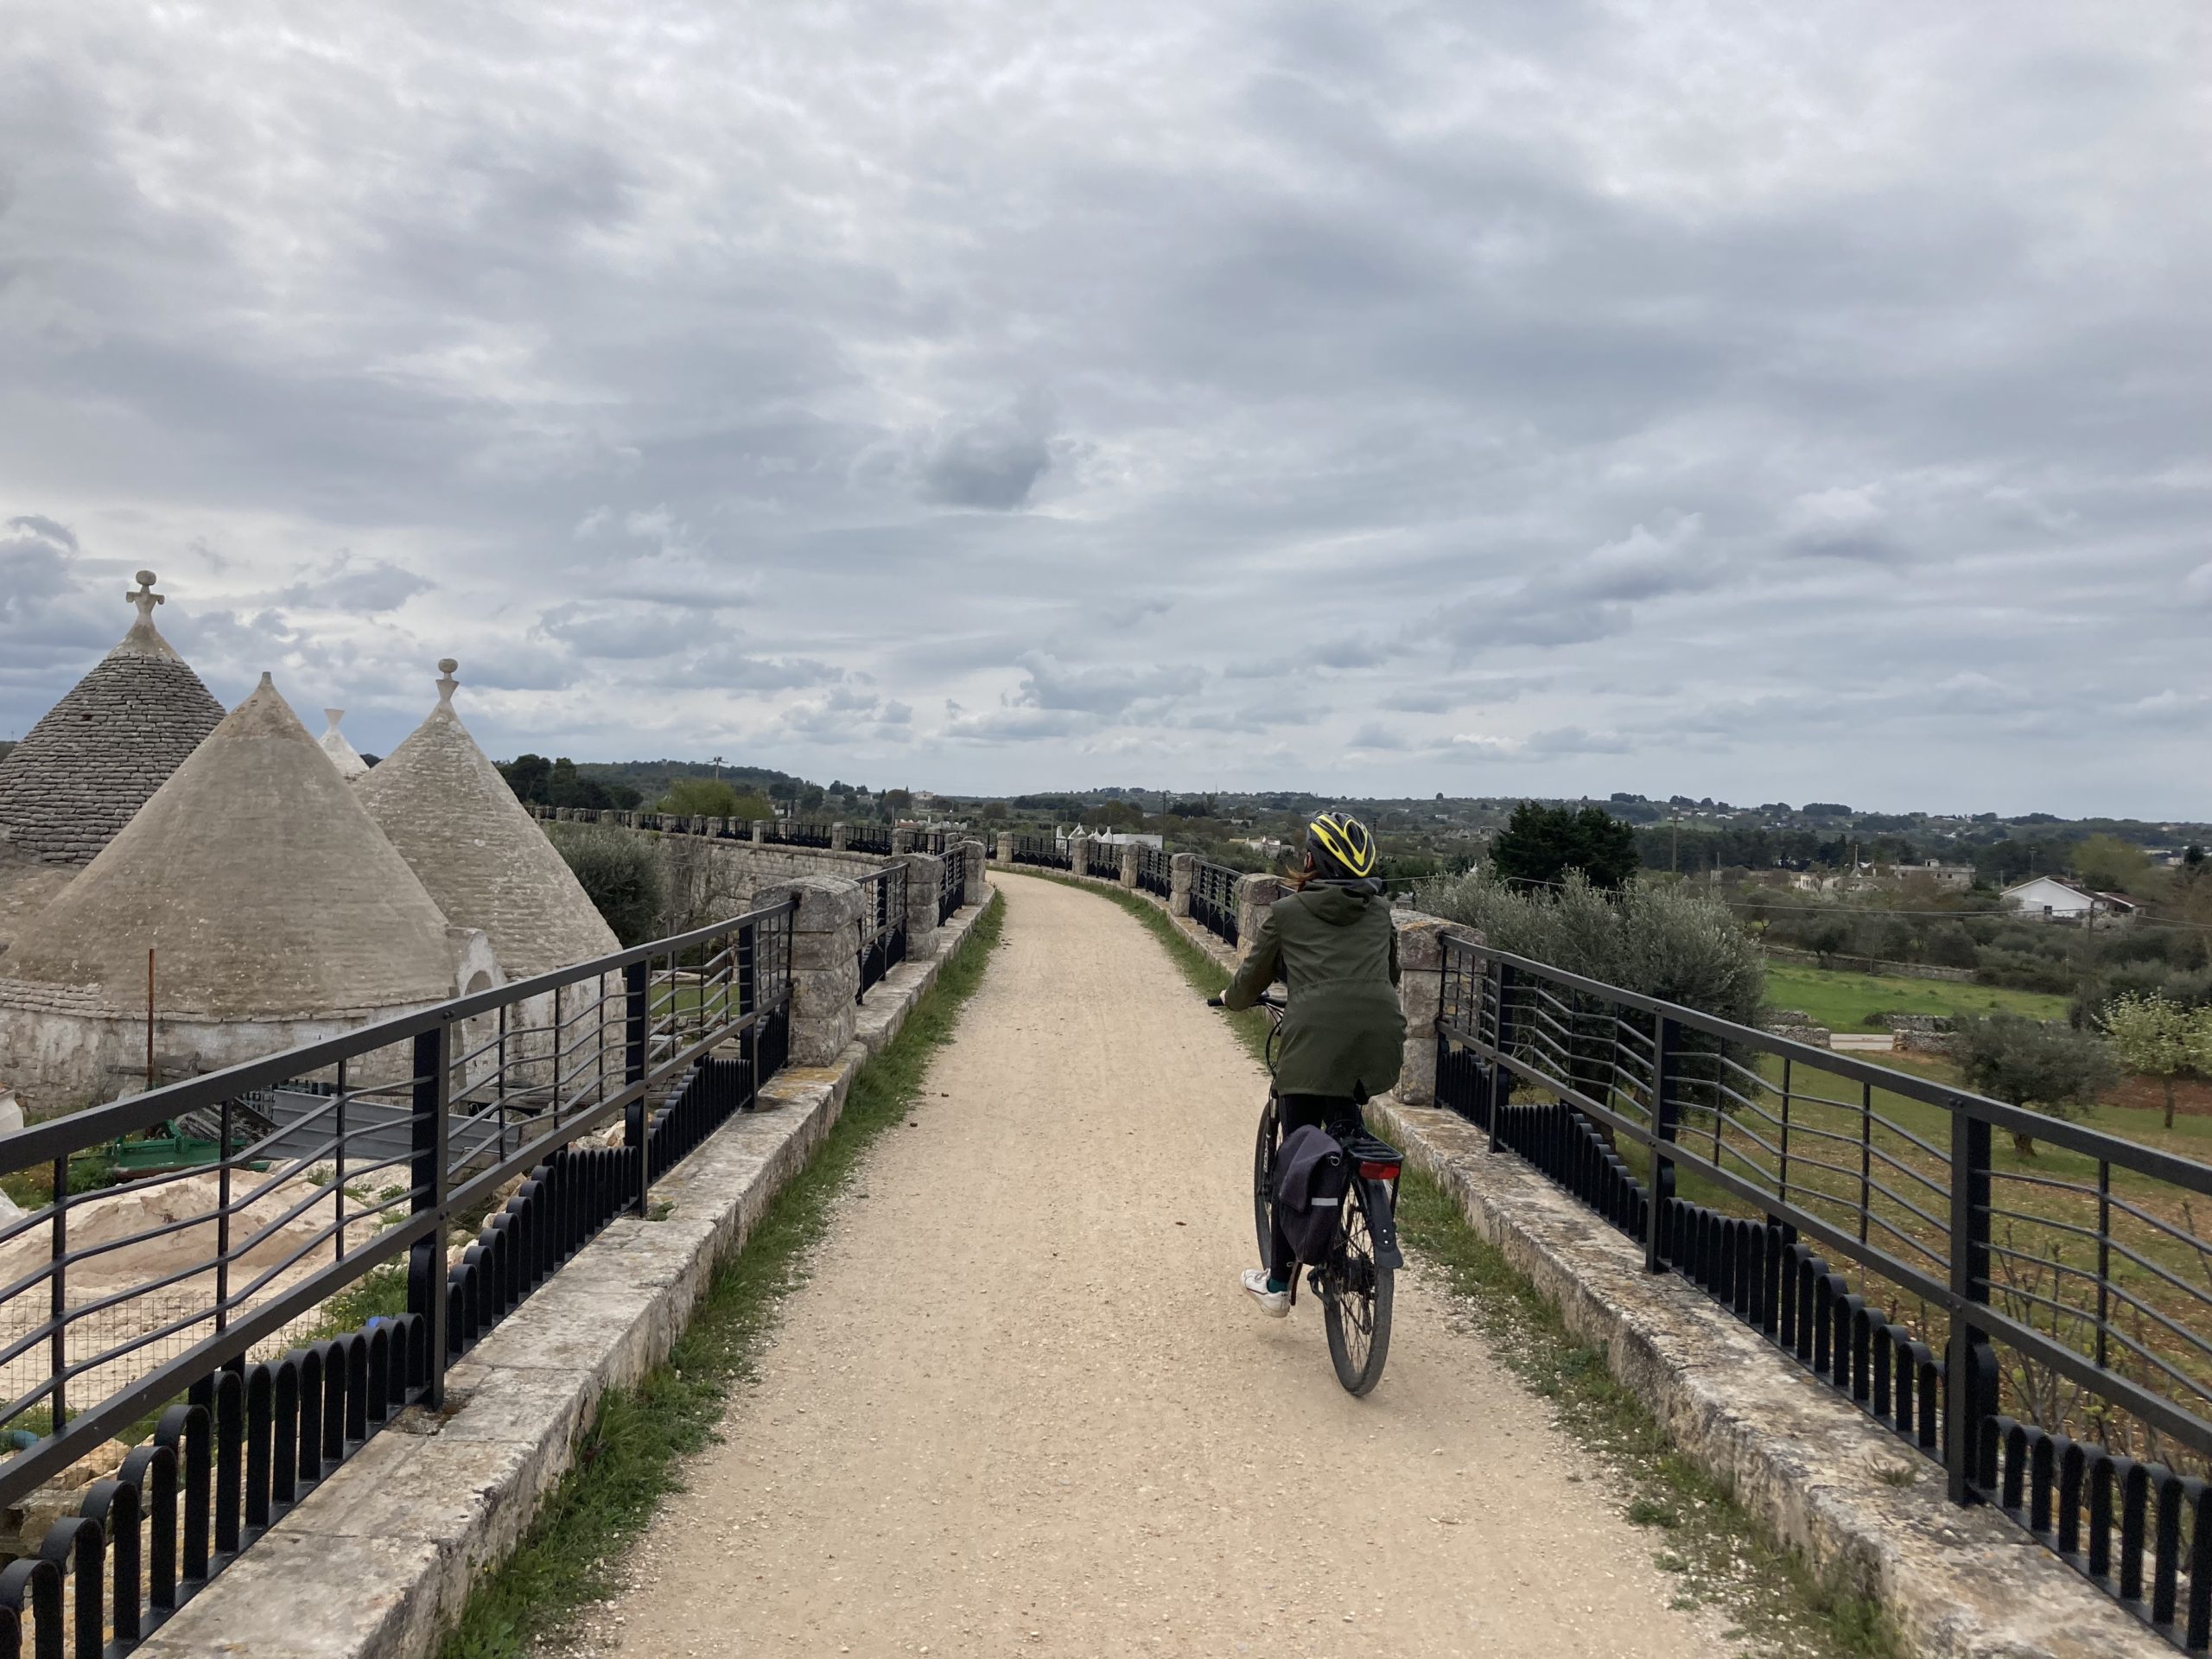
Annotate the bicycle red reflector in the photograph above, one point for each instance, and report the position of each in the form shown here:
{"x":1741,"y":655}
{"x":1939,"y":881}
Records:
{"x":1378,"y":1172}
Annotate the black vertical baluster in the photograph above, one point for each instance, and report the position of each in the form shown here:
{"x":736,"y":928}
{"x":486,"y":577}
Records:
{"x":1501,"y":1081}
{"x":1665,"y":1047}
{"x":2104,"y":1255}
{"x":1972,"y":1366}
{"x":426,"y":1264}
{"x":337,"y":1185}
{"x":58,"y":1299}
{"x":1782,"y":1178}
{"x":633,"y":1076}
{"x":223,"y":1226}
{"x":1866,"y":1156}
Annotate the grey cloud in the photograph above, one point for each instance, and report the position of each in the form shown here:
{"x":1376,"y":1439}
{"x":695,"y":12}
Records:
{"x":1108,"y":690}
{"x":367,"y":590}
{"x":1384,"y":345}
{"x":994,"y":462}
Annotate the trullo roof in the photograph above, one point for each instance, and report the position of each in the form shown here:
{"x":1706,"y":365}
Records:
{"x":100,"y":753}
{"x":483,"y":858}
{"x":260,"y":881}
{"x":343,"y":755}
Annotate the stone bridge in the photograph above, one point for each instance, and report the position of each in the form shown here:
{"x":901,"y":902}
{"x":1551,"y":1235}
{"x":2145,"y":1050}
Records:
{"x":1019,"y":1404}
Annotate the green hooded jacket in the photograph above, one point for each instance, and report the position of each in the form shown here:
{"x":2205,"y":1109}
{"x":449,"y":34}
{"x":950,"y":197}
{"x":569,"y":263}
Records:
{"x":1335,"y":947}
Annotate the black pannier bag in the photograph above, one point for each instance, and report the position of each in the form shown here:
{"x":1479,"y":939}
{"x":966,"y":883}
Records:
{"x":1312,"y":1176}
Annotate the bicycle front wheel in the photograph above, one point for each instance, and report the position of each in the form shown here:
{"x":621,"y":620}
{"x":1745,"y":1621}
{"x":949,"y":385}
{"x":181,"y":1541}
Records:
{"x":1263,"y":1181}
{"x":1358,"y":1300}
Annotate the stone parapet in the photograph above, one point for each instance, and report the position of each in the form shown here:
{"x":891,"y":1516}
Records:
{"x":1181,"y":869}
{"x":1006,"y":847}
{"x":1420,"y":994}
{"x":976,"y":889}
{"x":925,"y":874}
{"x":902,"y":839}
{"x":825,"y":963}
{"x":1254,"y":894}
{"x":760,"y":832}
{"x":841,"y":836}
{"x":1129,"y":871}
{"x":1079,"y":855}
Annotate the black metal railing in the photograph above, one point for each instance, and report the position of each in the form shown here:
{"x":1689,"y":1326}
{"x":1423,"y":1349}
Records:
{"x":2041,"y":1323}
{"x":883,"y":924}
{"x":868,"y":838}
{"x":1213,"y":899}
{"x":952,"y":880}
{"x":791,"y":832}
{"x":233,"y":1306}
{"x":1156,"y":871}
{"x":1045,"y":852}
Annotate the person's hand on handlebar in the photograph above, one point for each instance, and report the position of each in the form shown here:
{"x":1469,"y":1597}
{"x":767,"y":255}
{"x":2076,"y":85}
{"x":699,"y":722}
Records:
{"x":1213,"y":1002}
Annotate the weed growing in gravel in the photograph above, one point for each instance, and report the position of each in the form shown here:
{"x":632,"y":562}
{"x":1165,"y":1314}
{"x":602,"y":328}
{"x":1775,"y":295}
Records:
{"x":1776,"y":1602}
{"x":632,"y":1455}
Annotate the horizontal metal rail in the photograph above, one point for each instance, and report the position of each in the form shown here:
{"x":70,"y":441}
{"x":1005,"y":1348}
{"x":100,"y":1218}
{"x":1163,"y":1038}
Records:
{"x":202,"y":1297}
{"x":2041,"y":1333}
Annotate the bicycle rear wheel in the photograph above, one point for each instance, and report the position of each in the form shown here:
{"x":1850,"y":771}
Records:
{"x":1358,"y":1294}
{"x":1263,"y":1177}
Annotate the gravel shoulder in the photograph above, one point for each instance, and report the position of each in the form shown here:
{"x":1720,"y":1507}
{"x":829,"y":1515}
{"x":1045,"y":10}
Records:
{"x":1022,"y":1407}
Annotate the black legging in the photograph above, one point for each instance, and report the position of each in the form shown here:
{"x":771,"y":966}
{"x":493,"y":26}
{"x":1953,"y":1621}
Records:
{"x":1295,"y":1111}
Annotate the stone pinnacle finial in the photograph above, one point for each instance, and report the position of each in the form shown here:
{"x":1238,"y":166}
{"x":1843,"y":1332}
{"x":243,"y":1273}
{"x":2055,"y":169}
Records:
{"x":447,"y":685}
{"x":146,"y":599}
{"x":333,"y":715}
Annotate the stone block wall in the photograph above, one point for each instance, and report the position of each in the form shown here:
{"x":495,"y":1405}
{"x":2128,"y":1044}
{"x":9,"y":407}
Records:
{"x":1181,"y":868}
{"x":924,"y":873}
{"x":825,"y":964}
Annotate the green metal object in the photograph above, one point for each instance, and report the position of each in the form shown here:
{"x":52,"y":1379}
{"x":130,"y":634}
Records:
{"x":169,"y":1150}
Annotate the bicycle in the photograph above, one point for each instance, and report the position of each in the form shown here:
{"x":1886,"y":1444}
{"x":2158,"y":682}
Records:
{"x":1355,"y":1283}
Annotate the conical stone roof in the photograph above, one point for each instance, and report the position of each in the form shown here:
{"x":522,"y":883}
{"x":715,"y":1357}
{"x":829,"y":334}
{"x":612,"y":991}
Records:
{"x":262,"y":884}
{"x":343,"y":755}
{"x":100,"y":753}
{"x":483,"y":858}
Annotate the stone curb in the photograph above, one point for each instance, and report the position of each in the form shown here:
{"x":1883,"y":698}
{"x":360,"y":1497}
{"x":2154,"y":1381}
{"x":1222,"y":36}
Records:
{"x":377,"y":1562}
{"x":1956,"y":1583}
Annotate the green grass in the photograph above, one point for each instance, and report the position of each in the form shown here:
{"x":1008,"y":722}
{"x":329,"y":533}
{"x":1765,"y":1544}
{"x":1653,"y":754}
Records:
{"x":631,"y":1457}
{"x":1723,"y":1555}
{"x":1845,"y":1002}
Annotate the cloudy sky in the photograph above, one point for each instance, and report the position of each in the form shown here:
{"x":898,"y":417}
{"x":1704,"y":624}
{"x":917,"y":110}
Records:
{"x":1531,"y":395}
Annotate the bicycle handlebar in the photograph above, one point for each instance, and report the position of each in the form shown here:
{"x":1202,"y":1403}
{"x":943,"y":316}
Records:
{"x":1265,"y":1002}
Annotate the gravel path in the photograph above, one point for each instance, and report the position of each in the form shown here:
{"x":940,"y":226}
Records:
{"x":1022,"y":1407}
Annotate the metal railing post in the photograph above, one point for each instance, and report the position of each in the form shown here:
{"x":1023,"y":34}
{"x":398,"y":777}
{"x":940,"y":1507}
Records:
{"x":1501,"y":1081}
{"x":634,"y":1073}
{"x":1970,"y":1366}
{"x":427,"y":1295}
{"x":1664,"y":1116}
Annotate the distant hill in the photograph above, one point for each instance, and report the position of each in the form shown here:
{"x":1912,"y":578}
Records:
{"x":650,"y":778}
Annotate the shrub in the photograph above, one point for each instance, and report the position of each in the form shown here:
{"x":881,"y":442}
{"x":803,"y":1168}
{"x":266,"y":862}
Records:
{"x":710,"y":798}
{"x":620,"y":872}
{"x":2054,"y":1070}
{"x":1655,"y":939}
{"x":2156,"y":1038}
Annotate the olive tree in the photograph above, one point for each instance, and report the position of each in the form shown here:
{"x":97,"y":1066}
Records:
{"x":2053,"y":1070}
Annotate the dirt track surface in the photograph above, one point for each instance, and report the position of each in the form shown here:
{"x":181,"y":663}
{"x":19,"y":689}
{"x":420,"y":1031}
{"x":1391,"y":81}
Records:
{"x":1023,"y":1407}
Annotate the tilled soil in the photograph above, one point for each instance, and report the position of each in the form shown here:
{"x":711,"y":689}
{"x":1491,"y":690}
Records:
{"x":1023,"y":1407}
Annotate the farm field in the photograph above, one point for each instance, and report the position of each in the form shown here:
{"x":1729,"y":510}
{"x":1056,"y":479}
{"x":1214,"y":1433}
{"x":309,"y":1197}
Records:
{"x":1844,"y":1002}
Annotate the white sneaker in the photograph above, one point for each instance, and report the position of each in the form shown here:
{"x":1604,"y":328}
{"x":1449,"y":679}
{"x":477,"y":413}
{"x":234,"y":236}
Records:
{"x":1275,"y":1304}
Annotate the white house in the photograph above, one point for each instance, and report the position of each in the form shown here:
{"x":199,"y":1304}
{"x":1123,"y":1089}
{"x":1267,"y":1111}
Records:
{"x":2052,"y":899}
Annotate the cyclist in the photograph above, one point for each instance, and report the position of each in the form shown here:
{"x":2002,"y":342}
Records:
{"x":1331,"y":942}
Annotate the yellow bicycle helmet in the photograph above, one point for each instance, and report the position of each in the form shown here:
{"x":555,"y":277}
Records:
{"x":1341,"y":846}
